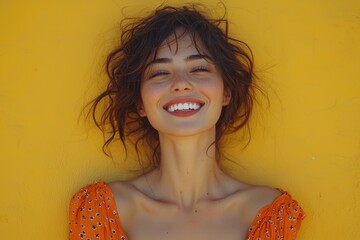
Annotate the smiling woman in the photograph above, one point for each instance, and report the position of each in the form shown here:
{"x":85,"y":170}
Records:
{"x":186,"y":84}
{"x":178,"y":83}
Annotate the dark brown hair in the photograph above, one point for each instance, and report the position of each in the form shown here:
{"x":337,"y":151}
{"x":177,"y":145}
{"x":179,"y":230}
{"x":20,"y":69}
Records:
{"x":140,"y":39}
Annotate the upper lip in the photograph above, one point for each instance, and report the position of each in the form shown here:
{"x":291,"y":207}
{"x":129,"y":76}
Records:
{"x":183,"y":100}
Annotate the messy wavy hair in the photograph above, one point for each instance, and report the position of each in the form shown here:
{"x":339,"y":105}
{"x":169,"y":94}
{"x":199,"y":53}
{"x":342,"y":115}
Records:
{"x":125,"y":65}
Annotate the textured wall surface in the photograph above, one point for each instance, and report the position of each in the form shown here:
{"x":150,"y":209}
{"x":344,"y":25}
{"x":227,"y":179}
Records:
{"x":307,"y":141}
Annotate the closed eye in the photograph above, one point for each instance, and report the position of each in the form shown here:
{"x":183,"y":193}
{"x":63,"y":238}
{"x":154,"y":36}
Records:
{"x":158,"y":73}
{"x":200,"y":69}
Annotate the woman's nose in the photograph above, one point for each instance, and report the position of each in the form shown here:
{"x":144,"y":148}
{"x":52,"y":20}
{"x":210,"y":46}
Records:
{"x":181,"y":83}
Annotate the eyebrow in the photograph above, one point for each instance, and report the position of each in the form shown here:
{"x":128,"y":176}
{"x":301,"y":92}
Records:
{"x":188,"y":58}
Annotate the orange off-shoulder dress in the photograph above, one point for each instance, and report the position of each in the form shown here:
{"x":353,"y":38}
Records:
{"x":93,"y":216}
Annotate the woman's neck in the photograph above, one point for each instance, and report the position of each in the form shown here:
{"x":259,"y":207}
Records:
{"x":188,"y":171}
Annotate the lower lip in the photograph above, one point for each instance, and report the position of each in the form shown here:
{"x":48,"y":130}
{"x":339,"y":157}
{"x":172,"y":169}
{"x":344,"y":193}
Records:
{"x":184,"y":113}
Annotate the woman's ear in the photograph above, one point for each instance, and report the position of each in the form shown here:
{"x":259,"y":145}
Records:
{"x":227,"y":97}
{"x":141,"y":110}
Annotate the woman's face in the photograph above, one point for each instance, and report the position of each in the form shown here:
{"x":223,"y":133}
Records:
{"x":182,"y":90}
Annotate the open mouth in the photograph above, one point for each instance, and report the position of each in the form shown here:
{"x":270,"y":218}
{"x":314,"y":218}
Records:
{"x":185,"y":105}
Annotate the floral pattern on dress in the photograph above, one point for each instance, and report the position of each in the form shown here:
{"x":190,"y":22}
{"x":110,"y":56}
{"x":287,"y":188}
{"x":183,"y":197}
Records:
{"x":93,"y":216}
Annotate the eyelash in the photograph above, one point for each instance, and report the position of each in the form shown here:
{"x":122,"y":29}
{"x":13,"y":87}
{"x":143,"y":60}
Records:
{"x":200,"y":69}
{"x":197,"y":69}
{"x":158,"y":73}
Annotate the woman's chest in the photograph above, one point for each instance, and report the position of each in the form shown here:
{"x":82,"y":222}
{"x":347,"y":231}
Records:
{"x":197,"y":224}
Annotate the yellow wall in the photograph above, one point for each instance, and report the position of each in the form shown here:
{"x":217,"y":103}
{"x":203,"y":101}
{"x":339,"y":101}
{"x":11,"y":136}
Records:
{"x":307,"y":141}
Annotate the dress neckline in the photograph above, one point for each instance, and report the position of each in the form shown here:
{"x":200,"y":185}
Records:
{"x":260,"y":213}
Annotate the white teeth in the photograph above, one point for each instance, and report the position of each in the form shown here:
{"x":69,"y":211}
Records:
{"x":183,"y":106}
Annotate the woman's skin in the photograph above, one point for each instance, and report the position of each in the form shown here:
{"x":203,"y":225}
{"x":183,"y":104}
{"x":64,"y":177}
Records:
{"x":188,"y":196}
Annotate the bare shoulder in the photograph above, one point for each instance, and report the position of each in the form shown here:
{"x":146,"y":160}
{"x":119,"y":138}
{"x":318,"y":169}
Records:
{"x":258,"y":195}
{"x":253,"y":198}
{"x":126,"y":189}
{"x":120,"y":188}
{"x":128,"y":196}
{"x":261,"y":196}
{"x":131,"y":191}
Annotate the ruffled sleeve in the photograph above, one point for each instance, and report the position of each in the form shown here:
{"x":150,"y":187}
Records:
{"x":93,"y":214}
{"x":279,"y":220}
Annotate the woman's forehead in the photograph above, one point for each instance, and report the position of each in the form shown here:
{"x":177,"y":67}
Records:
{"x":180,"y":42}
